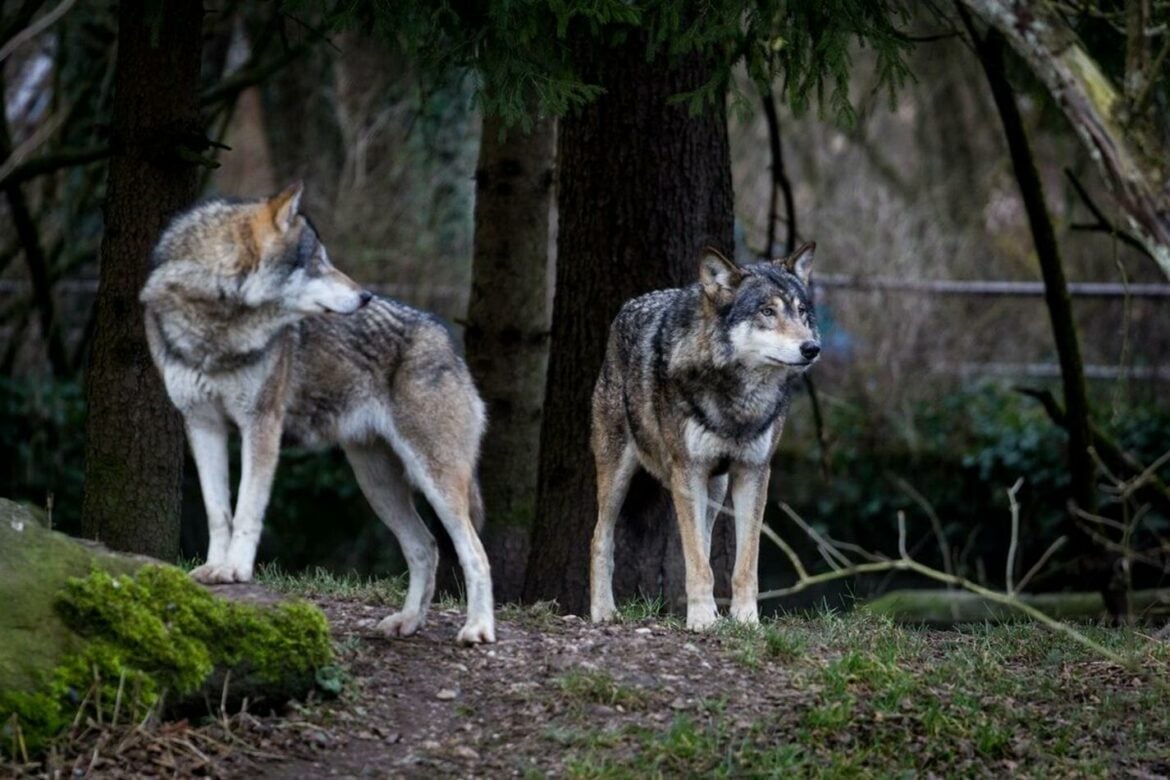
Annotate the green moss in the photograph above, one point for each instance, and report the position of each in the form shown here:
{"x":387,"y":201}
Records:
{"x":157,"y":632}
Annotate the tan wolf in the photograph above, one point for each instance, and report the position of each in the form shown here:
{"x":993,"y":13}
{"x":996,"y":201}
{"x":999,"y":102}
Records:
{"x":250,"y":324}
{"x":694,"y":389}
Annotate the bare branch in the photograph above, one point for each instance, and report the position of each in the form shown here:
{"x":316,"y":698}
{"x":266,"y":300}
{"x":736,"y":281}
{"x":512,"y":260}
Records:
{"x":35,"y":29}
{"x":1011,"y":556}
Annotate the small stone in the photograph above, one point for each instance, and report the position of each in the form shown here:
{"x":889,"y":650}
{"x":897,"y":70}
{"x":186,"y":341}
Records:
{"x":691,"y":647}
{"x":446,"y":694}
{"x":430,"y":744}
{"x":678,"y":704}
{"x":463,"y":751}
{"x":643,"y":630}
{"x":570,"y":619}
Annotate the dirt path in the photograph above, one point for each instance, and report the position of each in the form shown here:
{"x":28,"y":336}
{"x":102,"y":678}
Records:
{"x":424,"y":707}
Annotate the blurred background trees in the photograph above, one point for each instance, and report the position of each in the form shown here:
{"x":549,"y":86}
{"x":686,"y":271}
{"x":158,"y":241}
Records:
{"x":424,"y":134}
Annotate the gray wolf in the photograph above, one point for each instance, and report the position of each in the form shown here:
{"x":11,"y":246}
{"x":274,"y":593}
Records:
{"x":694,"y":389}
{"x":251,"y":324}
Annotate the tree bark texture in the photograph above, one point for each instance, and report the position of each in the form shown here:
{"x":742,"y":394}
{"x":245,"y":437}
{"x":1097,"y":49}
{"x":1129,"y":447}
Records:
{"x":507,"y":332}
{"x":134,"y":439}
{"x":642,"y":186}
{"x":1132,"y":165}
{"x":1082,"y":471}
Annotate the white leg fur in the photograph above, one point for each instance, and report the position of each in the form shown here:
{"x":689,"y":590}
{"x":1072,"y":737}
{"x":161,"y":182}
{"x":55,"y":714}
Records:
{"x":611,"y":492}
{"x":716,"y":492}
{"x":689,"y":491}
{"x":208,"y":435}
{"x":381,"y":478}
{"x":261,"y":451}
{"x":748,"y":491}
{"x":453,"y":512}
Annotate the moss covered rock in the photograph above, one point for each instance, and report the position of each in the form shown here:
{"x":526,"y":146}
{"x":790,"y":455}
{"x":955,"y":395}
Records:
{"x":83,"y":628}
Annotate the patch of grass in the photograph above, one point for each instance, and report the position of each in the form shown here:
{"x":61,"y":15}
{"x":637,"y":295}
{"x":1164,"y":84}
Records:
{"x":599,"y":687}
{"x":874,"y":699}
{"x":642,"y":608}
{"x":322,"y":583}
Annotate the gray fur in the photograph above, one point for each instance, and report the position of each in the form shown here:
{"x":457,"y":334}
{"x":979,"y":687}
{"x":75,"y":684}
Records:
{"x":695,"y":385}
{"x":250,"y":324}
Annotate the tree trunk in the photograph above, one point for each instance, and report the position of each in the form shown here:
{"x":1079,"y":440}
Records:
{"x":134,"y":440}
{"x":1081,"y":469}
{"x":507,"y":332}
{"x":642,"y":187}
{"x":1130,"y":163}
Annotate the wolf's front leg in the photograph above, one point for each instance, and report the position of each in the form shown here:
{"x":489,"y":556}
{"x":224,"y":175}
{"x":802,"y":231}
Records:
{"x":689,"y":489}
{"x":749,"y":491}
{"x":261,"y":450}
{"x":207,"y":433}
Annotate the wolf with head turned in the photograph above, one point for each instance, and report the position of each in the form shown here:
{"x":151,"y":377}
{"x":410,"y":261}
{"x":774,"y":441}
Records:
{"x":251,"y":324}
{"x":694,"y":389}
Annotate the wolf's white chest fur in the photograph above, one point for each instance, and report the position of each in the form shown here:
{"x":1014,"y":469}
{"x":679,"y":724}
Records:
{"x":702,"y":444}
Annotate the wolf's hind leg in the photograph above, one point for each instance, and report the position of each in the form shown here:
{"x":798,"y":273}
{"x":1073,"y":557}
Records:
{"x":379,"y":474}
{"x":749,"y":492}
{"x":448,"y":487}
{"x":689,"y":489}
{"x":716,"y":492}
{"x":207,"y":433}
{"x":613,"y":482}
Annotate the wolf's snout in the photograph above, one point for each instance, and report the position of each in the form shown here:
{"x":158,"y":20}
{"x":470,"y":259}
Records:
{"x":365,"y":298}
{"x":810,"y":349}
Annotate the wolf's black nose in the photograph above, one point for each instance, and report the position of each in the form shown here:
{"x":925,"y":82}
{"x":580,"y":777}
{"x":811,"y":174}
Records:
{"x":810,"y":349}
{"x":367,"y":296}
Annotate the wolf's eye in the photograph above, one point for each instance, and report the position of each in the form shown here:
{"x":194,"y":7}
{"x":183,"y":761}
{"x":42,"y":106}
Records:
{"x":802,"y":309}
{"x":768,"y":311}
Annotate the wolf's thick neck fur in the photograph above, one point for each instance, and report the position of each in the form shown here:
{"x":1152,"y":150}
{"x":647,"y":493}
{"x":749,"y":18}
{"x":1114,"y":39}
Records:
{"x":728,"y":399}
{"x":217,"y":334}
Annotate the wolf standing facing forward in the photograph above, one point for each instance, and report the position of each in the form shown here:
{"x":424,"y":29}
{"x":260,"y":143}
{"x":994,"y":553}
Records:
{"x":694,"y":388}
{"x":249,"y":322}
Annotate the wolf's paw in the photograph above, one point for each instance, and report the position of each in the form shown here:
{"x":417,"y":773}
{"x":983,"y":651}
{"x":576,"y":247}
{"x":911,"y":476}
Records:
{"x":476,"y":632}
{"x":701,"y":617}
{"x":400,"y":624}
{"x":602,"y":613}
{"x":220,"y":573}
{"x":745,"y":613}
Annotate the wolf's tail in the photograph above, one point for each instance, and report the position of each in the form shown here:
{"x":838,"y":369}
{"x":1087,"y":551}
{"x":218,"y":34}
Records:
{"x":475,"y":505}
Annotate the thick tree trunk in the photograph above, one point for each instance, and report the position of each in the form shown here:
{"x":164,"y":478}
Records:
{"x":134,"y":440}
{"x":642,"y":187}
{"x":1082,"y":471}
{"x":1132,"y":165}
{"x":507,"y":332}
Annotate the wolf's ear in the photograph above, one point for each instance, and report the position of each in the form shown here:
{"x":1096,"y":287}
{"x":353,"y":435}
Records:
{"x":284,"y":205}
{"x":800,"y":261}
{"x":718,"y":276}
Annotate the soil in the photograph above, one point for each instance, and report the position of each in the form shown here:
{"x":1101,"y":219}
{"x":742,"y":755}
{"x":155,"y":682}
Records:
{"x":424,"y":706}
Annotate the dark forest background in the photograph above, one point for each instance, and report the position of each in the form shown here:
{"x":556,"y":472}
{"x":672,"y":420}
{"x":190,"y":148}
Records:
{"x":901,"y":174}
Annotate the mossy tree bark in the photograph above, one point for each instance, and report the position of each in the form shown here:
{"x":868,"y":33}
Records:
{"x":1114,"y":130}
{"x":1082,"y":471}
{"x":134,"y":439}
{"x":643,"y":185}
{"x":507,"y":332}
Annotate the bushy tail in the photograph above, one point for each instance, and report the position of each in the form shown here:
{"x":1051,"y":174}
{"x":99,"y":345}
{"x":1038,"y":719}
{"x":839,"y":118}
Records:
{"x":475,"y":505}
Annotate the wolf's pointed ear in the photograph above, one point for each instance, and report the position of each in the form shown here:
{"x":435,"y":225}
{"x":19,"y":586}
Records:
{"x":718,"y":276}
{"x":800,"y":261}
{"x":284,"y":205}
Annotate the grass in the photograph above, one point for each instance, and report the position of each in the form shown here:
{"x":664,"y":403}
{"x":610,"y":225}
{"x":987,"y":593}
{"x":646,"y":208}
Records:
{"x":873,"y":699}
{"x":322,"y":583}
{"x":599,"y":687}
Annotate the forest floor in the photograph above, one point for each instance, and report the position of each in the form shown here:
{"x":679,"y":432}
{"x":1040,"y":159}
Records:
{"x":834,"y":695}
